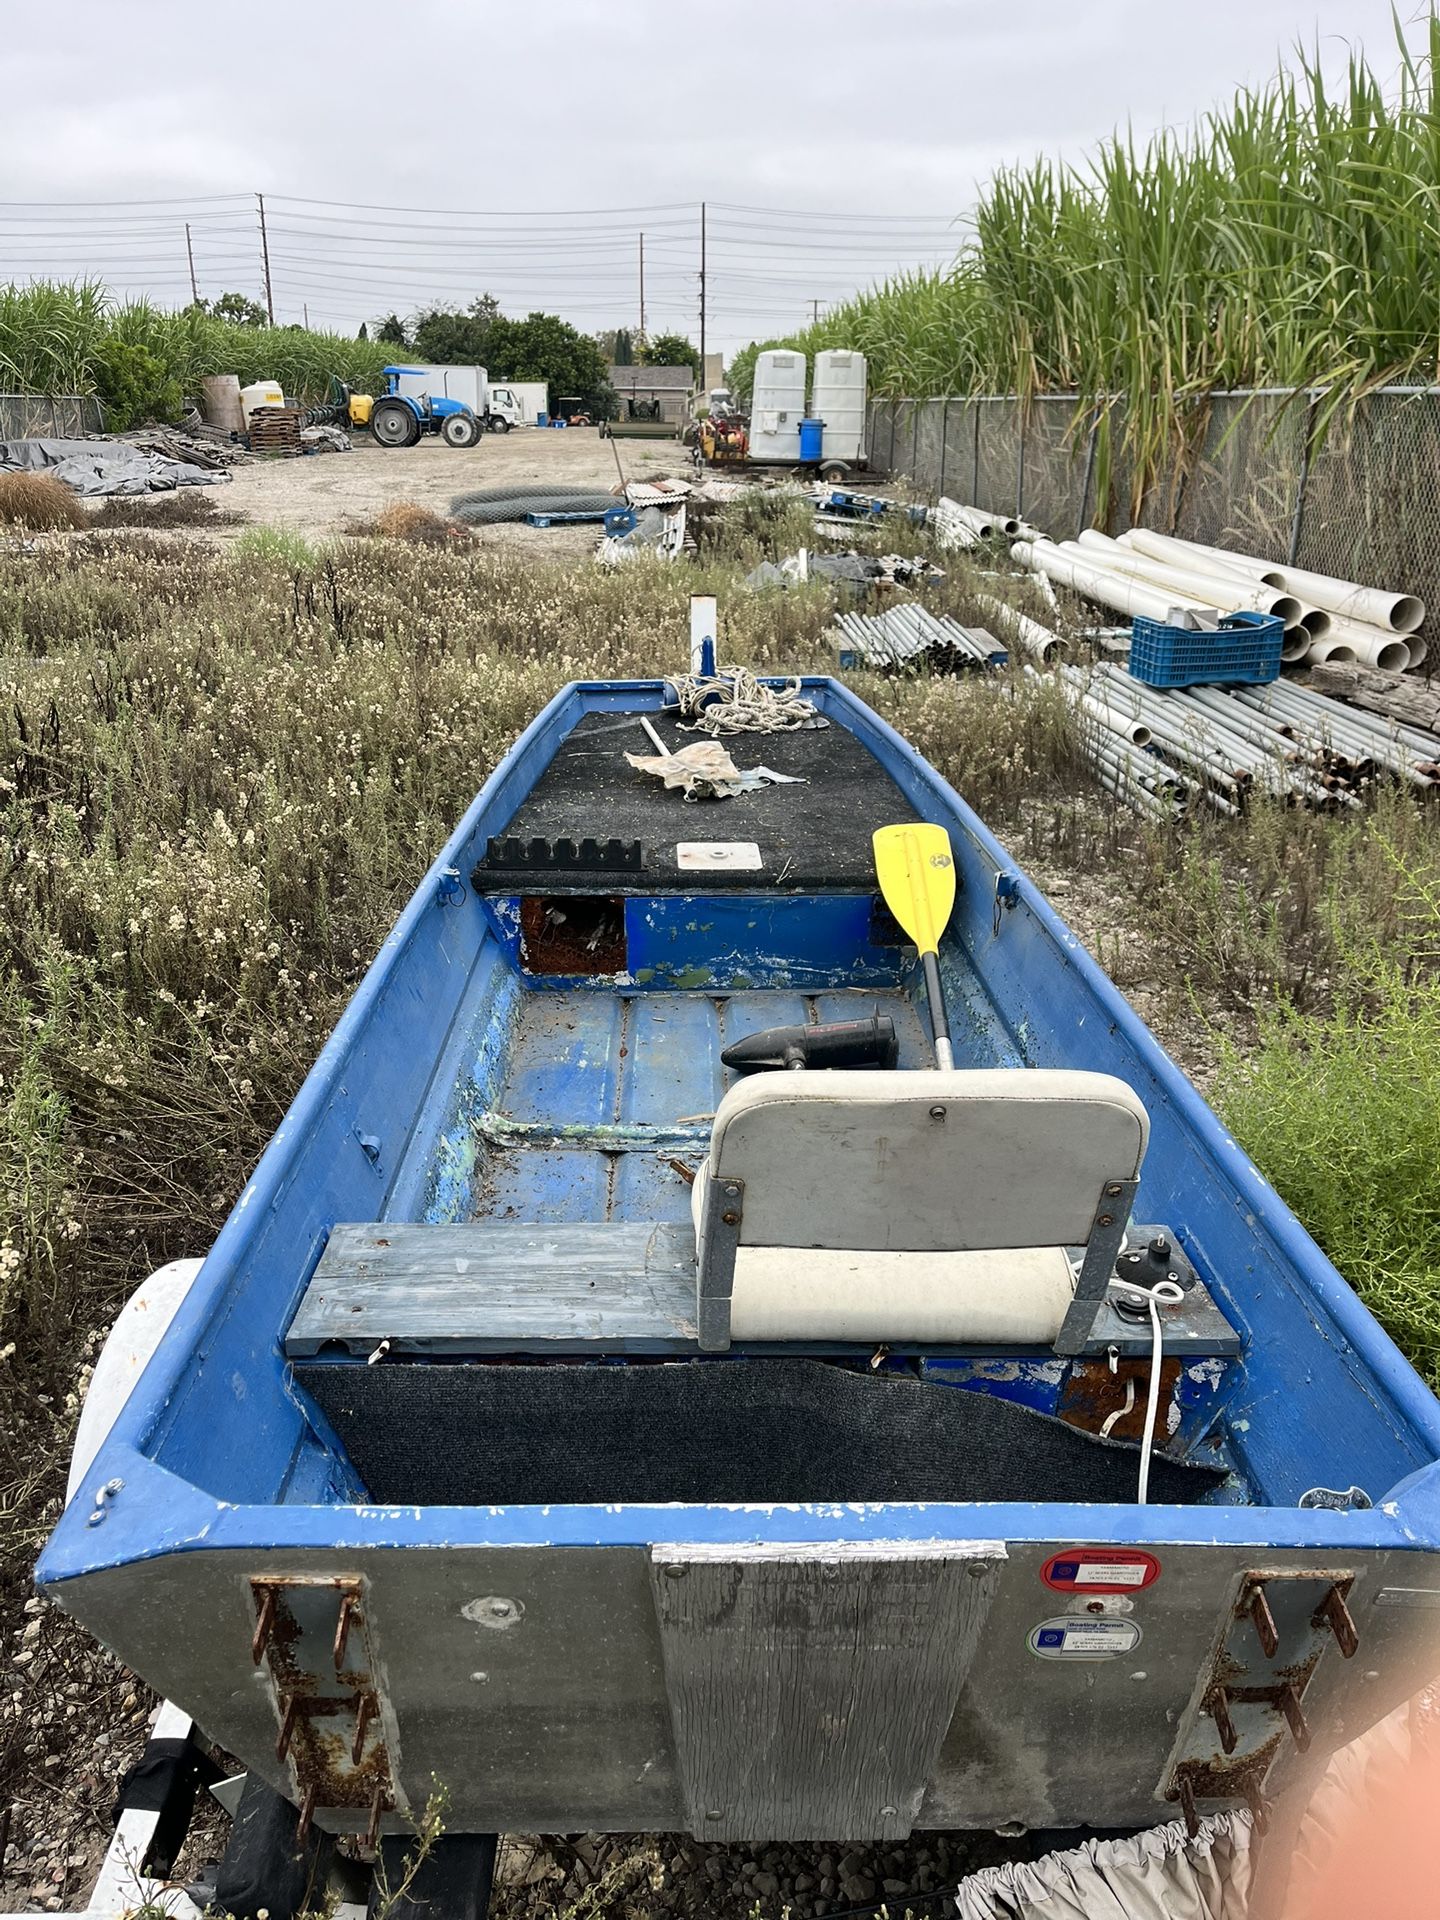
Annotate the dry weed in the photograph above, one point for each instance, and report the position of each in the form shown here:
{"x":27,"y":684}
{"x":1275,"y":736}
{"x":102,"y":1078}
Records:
{"x":39,"y":502}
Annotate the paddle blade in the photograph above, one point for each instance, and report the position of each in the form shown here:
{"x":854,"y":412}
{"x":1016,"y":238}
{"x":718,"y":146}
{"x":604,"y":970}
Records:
{"x":916,"y":871}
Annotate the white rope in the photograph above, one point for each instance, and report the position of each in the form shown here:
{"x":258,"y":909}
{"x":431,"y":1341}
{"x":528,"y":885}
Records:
{"x":734,"y":701}
{"x":1164,"y":1293}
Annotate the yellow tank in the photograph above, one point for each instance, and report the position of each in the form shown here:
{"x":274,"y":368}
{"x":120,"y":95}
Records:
{"x":360,"y":405}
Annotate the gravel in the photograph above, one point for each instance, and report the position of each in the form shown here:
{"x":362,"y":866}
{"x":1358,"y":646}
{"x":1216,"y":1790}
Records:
{"x":637,"y":1876}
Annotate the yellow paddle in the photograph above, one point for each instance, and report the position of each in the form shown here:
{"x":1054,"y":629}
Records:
{"x":916,"y":871}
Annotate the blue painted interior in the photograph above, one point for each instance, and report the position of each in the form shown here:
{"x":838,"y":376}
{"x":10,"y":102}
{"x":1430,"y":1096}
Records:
{"x":444,"y":1039}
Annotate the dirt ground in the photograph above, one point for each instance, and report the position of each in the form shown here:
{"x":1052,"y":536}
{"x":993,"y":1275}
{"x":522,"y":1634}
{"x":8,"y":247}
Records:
{"x":322,"y":495}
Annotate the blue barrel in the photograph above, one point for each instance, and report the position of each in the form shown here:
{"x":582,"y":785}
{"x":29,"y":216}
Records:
{"x":812,"y":434}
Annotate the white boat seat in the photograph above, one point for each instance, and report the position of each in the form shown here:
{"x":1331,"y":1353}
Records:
{"x":928,"y":1207}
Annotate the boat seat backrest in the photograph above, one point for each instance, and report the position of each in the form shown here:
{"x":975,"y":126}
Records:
{"x":894,"y":1164}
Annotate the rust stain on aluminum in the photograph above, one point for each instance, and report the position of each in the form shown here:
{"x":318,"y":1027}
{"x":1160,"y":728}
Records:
{"x":329,"y":1712}
{"x":1092,"y":1393}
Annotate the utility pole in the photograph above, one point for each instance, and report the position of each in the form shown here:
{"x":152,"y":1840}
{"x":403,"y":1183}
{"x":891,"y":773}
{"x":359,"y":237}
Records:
{"x":265,"y":257}
{"x":702,"y":293}
{"x":814,"y":313}
{"x":305,"y":309}
{"x":190,"y":256}
{"x":642,"y":286}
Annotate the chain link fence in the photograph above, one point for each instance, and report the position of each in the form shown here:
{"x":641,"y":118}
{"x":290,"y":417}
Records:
{"x":1242,"y":472}
{"x":50,"y":416}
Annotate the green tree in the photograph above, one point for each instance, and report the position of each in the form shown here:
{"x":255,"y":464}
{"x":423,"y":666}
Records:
{"x":623,"y":354}
{"x":544,"y":347}
{"x":239,"y":308}
{"x":392,"y":331}
{"x":457,"y":339}
{"x":364,"y":333}
{"x":670,"y":350}
{"x":134,"y":385}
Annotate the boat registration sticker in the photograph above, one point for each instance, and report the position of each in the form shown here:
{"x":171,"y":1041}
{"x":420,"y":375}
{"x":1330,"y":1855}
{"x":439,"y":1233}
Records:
{"x":1100,"y":1570}
{"x":739,"y":856}
{"x":1069,"y":1638}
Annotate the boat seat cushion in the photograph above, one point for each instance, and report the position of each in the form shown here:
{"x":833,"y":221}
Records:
{"x":988,"y":1297}
{"x":931,"y":1206}
{"x":926,"y":1162}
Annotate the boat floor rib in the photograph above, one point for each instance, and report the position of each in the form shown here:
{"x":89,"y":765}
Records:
{"x":603,"y":1092}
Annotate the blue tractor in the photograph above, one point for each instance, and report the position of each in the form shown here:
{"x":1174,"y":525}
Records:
{"x":398,"y":419}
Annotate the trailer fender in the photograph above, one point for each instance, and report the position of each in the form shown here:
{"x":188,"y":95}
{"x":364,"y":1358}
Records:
{"x":142,"y":1324}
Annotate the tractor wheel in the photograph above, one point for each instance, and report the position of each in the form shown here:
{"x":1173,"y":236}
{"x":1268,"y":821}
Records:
{"x":393,"y":424}
{"x":460,"y":430}
{"x":498,"y":423}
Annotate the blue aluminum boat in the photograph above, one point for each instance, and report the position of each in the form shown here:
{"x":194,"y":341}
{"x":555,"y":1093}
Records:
{"x":626,"y":1442}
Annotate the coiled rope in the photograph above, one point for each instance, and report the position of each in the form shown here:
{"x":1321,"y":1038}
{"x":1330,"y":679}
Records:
{"x":734,"y":701}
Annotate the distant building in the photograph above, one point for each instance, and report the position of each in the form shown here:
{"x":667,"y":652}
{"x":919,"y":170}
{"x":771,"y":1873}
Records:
{"x":714,"y":371}
{"x":654,"y":393}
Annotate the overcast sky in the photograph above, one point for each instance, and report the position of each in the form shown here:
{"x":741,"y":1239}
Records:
{"x":556,"y":135}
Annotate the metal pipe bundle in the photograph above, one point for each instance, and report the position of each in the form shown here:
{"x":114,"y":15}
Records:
{"x":1224,"y":743}
{"x":908,"y":632}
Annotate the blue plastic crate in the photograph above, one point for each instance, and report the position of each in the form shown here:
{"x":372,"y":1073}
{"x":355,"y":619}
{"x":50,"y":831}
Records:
{"x":1245,"y":651}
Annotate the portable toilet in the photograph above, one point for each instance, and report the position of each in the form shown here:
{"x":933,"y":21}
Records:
{"x":838,"y":399}
{"x":777,"y":405}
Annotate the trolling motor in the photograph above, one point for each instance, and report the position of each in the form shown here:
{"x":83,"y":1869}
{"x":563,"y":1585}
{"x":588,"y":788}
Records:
{"x":840,"y":1043}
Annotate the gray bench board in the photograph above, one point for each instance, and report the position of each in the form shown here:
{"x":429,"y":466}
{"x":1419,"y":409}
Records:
{"x":500,"y":1287}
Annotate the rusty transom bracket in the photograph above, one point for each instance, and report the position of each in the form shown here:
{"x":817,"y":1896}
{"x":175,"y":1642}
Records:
{"x":312,"y":1634}
{"x":1251,"y":1705}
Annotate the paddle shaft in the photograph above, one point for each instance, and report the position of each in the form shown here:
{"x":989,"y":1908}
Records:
{"x":935,"y":994}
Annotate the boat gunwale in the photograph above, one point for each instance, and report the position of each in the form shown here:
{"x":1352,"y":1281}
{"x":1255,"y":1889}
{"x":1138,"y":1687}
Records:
{"x":191,"y":1518}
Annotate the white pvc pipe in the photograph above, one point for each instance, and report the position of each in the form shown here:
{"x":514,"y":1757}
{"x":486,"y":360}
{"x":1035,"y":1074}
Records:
{"x":1296,"y":644}
{"x":1225,"y":591}
{"x":1418,"y":648}
{"x":1330,"y":649}
{"x":1215,"y":563}
{"x":1135,"y":731}
{"x":951,"y":528}
{"x":1039,"y":642}
{"x":985,"y":524}
{"x":1190,"y":556}
{"x":1397,"y":612}
{"x":1375,"y":646}
{"x":1198,"y":559}
{"x":1115,"y":590}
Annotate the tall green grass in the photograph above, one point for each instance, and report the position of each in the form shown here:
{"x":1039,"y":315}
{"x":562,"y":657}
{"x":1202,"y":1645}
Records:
{"x":1342,"y":1114}
{"x":54,"y":336}
{"x":1288,"y":240}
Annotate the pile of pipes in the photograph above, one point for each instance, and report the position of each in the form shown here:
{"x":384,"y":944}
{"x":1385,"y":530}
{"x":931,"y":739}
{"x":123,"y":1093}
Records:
{"x":1151,"y":574}
{"x":957,"y":525}
{"x":904,"y":635}
{"x":1162,"y":751}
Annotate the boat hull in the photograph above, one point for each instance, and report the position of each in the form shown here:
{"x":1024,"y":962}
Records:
{"x":736,"y":1668}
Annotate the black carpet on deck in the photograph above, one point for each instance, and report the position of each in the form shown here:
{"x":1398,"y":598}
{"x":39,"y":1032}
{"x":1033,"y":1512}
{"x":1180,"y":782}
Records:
{"x":738,"y":1430}
{"x":816,"y":836}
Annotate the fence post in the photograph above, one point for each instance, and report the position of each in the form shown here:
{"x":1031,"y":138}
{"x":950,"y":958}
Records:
{"x":1020,"y":461}
{"x":915,"y":443}
{"x":1094,"y":435}
{"x":890,"y":463}
{"x":944,"y":437}
{"x":974,"y":500}
{"x":1297,"y":522}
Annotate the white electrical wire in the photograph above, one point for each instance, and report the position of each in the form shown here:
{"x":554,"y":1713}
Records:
{"x":1164,"y":1293}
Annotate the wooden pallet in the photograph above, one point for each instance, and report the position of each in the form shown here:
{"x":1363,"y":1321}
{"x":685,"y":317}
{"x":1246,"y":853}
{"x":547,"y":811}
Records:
{"x":275,"y":430}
